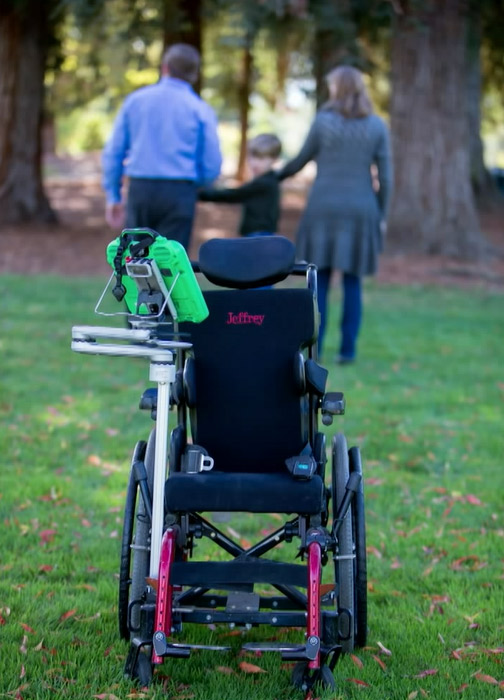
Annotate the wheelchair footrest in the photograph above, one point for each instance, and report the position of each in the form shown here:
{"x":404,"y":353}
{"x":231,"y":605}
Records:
{"x":289,"y":652}
{"x":164,"y":648}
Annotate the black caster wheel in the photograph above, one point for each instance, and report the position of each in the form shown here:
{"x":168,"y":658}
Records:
{"x":142,"y":671}
{"x":304,"y":678}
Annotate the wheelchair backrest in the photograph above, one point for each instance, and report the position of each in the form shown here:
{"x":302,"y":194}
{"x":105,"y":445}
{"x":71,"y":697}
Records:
{"x":250,"y":410}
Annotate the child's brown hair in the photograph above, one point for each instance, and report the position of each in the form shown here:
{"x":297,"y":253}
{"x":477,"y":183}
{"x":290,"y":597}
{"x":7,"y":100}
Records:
{"x":264,"y":146}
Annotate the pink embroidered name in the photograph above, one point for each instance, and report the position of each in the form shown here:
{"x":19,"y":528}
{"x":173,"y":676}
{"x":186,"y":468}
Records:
{"x":243,"y":318}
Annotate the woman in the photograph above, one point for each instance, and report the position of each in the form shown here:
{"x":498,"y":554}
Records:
{"x":342,"y":225}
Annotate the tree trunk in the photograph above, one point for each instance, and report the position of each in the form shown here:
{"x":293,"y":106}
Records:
{"x":182,"y":24}
{"x":244,"y":90}
{"x":334,"y":40}
{"x":433,"y":208}
{"x":22,"y":62}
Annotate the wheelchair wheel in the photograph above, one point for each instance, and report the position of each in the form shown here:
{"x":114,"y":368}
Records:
{"x":135,"y":549}
{"x":344,"y":561}
{"x":360,"y":562}
{"x":143,"y":670}
{"x":304,"y":678}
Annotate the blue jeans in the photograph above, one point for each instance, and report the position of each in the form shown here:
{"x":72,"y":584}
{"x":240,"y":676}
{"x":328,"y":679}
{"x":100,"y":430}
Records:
{"x":351,"y":312}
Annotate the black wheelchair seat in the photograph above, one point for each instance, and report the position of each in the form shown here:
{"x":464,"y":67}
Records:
{"x":252,"y":493}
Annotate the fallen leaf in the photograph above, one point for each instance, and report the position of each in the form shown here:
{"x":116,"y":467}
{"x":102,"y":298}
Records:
{"x":250,"y":668}
{"x":374,"y":551}
{"x":469,"y":563}
{"x":27,"y":628}
{"x":23,"y":648}
{"x":427,"y":672}
{"x":65,"y":616}
{"x":356,"y":661}
{"x":226,"y":670}
{"x":357,"y":681}
{"x":45,"y":568}
{"x":94,"y":460}
{"x":380,"y":663}
{"x":485,"y":678}
{"x":384,"y":650}
{"x":462,"y":687}
{"x":413,"y":695}
{"x":473,"y":500}
{"x":46,"y":536}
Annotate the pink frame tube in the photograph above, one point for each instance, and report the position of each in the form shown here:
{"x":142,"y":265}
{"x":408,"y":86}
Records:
{"x":314,"y":577}
{"x":163,"y":617}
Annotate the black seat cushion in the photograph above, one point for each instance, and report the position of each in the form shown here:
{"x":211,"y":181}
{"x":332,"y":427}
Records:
{"x":243,"y":263}
{"x":252,"y":493}
{"x":248,"y":412}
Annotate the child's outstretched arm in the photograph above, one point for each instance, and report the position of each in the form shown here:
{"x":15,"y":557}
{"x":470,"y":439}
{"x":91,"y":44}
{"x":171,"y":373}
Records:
{"x":232,"y":195}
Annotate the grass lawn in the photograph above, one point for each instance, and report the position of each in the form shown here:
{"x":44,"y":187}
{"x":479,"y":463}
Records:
{"x":424,"y":402}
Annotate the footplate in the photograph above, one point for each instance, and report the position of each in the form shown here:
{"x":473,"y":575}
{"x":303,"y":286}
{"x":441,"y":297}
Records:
{"x":289,"y":652}
{"x":164,"y":648}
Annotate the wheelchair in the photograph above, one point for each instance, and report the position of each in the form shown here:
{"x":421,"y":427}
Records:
{"x":244,"y":391}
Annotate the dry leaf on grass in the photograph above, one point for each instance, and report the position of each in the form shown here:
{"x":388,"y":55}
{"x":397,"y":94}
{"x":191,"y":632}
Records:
{"x":250,"y":668}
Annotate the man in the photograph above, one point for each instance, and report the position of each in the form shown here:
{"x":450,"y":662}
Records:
{"x":168,"y":137}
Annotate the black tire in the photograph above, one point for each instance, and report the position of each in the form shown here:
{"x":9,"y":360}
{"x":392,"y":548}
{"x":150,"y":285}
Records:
{"x":344,"y":558}
{"x":304,"y":678}
{"x":360,"y":561}
{"x":135,"y":551}
{"x":127,"y":538}
{"x":143,"y":670}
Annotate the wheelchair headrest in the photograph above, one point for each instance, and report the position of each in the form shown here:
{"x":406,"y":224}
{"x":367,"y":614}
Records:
{"x":245,"y":263}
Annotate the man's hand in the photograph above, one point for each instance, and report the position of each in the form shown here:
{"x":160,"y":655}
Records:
{"x":115,"y":215}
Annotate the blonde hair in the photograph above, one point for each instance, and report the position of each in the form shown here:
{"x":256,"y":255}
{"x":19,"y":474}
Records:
{"x":347,"y":93}
{"x":264,"y":146}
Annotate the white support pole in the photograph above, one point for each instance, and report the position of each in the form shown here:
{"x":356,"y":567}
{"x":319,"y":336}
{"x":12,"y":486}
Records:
{"x":162,"y":372}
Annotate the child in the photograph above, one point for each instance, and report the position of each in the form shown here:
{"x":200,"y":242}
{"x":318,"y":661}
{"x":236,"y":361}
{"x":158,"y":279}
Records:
{"x":261,"y":196}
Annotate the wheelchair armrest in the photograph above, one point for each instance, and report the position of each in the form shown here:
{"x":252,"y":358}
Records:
{"x":332,"y":404}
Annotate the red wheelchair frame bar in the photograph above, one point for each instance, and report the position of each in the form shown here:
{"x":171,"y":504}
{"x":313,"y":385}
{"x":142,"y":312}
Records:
{"x":314,"y":578}
{"x":164,"y":598}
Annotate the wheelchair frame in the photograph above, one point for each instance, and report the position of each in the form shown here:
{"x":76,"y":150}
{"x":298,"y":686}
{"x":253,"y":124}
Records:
{"x":162,"y":608}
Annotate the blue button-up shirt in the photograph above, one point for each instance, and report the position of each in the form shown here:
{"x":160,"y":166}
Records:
{"x":162,"y":131}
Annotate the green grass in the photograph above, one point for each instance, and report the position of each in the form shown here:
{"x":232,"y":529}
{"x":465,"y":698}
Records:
{"x":424,"y":402}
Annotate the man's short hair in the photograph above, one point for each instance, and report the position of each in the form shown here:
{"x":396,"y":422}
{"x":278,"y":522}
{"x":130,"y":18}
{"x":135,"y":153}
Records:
{"x":264,"y":146}
{"x":182,"y":61}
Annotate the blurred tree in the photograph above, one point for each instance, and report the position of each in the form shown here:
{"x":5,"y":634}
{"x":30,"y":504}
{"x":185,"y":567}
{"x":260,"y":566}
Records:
{"x":29,"y":42}
{"x":433,"y":207}
{"x":25,"y":34}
